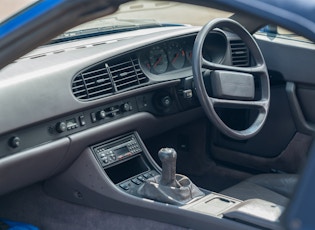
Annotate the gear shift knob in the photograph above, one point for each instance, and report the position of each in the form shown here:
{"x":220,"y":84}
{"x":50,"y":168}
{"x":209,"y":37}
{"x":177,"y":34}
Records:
{"x":170,"y":187}
{"x":168,"y":158}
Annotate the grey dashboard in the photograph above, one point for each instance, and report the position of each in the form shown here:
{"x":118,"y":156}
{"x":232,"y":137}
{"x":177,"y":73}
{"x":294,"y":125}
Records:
{"x":61,"y":89}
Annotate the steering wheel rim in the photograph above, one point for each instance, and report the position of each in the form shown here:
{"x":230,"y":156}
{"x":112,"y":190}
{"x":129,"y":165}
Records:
{"x":260,"y":70}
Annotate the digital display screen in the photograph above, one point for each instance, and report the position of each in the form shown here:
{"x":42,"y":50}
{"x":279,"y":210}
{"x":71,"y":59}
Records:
{"x":121,"y":151}
{"x":71,"y":122}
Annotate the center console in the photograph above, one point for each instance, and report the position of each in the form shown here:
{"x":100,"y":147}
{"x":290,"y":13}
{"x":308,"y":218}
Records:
{"x":124,"y":160}
{"x":111,"y":175}
{"x":126,"y":163}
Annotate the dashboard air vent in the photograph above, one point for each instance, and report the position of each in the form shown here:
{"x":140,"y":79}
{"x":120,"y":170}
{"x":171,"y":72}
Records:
{"x":126,"y":73}
{"x":92,"y":83}
{"x":240,"y":53}
{"x":107,"y":78}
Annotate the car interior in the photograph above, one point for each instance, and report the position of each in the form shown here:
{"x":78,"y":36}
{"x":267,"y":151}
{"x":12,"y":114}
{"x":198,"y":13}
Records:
{"x":161,"y":127}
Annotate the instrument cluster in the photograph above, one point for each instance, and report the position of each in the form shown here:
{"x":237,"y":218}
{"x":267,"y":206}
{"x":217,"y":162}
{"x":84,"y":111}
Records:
{"x":176,"y":54}
{"x":167,"y":56}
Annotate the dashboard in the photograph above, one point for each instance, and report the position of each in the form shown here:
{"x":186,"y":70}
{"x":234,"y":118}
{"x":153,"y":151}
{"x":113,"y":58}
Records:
{"x":136,"y":80}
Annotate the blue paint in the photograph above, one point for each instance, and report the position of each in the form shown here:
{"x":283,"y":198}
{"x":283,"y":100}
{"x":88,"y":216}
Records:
{"x":26,"y":16}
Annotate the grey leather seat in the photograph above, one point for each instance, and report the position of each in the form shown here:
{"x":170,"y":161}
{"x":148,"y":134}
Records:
{"x":276,"y":188}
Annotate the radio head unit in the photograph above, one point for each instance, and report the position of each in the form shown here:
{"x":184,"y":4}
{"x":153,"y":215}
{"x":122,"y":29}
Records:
{"x":125,"y":162}
{"x":116,"y":150}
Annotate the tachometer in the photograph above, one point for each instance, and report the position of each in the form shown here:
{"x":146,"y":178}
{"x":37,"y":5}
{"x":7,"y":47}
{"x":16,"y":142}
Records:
{"x":189,"y":54}
{"x":158,"y":60}
{"x":176,"y":55}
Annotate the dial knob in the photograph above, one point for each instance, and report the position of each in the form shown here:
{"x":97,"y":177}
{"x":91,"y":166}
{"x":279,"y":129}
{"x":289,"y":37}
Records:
{"x":126,"y":107}
{"x":61,"y":126}
{"x":166,"y":101}
{"x":14,"y":142}
{"x":100,"y":115}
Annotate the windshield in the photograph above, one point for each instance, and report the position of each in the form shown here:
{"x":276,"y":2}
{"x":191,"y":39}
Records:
{"x":130,"y":16}
{"x":138,"y":14}
{"x":168,"y":12}
{"x":147,"y":14}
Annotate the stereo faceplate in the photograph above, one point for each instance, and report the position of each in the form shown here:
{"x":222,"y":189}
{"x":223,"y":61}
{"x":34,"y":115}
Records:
{"x":113,"y":151}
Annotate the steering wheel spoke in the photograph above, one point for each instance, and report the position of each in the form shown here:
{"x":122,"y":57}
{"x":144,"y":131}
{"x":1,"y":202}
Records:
{"x":259,"y":69}
{"x":239,"y":104}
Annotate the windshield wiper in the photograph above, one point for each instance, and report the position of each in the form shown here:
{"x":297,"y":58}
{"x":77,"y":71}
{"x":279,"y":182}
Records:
{"x":108,"y":26}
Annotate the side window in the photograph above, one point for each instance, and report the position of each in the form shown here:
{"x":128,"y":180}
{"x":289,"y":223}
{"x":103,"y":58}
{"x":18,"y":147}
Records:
{"x":277,"y":31}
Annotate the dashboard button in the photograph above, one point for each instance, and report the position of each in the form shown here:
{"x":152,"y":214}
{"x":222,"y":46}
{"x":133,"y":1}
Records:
{"x":136,"y":181}
{"x":82,"y":120}
{"x":124,"y":186}
{"x":187,"y":94}
{"x":146,"y":175}
{"x":93,"y":118}
{"x":105,"y":160}
{"x":141,"y":178}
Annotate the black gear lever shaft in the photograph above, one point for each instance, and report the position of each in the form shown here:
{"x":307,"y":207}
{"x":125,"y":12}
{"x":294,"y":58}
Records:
{"x":168,"y":158}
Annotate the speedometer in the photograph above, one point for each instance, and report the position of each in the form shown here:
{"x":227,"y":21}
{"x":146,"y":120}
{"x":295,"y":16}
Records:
{"x":176,"y":55}
{"x":158,"y":60}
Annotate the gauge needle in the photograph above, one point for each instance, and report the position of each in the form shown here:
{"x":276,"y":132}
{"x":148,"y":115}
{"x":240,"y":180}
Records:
{"x":158,"y":61}
{"x":175,"y":58}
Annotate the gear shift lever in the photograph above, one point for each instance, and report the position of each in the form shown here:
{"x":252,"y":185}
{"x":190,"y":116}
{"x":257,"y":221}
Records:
{"x":168,"y":158}
{"x":170,"y":187}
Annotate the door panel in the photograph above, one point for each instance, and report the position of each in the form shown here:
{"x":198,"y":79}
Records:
{"x":293,"y":59}
{"x":306,"y":96}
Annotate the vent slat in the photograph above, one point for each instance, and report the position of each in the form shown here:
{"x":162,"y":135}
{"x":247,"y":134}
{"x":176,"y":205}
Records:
{"x":123,"y":74}
{"x":126,"y":79}
{"x":125,"y":62}
{"x":240,"y":57}
{"x":127,"y":83}
{"x":95,"y":88}
{"x":103,"y":84}
{"x":78,"y":89}
{"x":100,"y":92}
{"x":97,"y":76}
{"x":80,"y":92}
{"x":81,"y":96}
{"x":77,"y":81}
{"x":94,"y":71}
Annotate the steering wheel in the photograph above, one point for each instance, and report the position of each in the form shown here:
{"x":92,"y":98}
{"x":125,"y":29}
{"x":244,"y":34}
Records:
{"x":232,"y":86}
